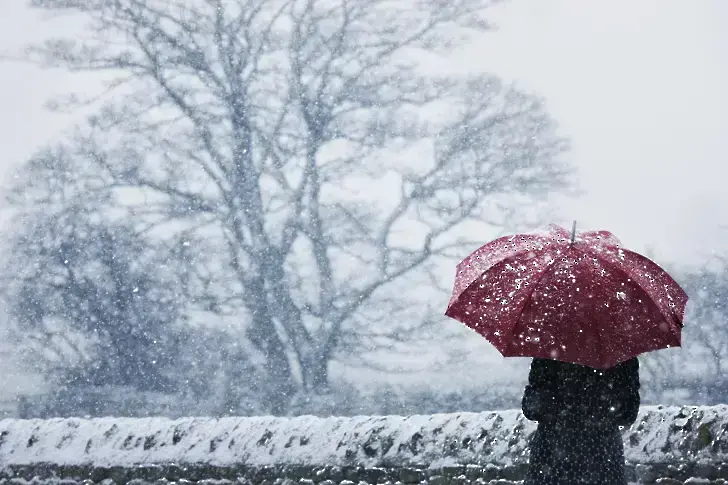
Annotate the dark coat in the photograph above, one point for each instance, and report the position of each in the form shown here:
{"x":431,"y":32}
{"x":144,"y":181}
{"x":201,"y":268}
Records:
{"x":579,"y":411}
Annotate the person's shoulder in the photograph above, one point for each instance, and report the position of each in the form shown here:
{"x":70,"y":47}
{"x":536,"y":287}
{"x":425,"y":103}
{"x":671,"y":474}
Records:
{"x":629,"y":366}
{"x":543,"y":367}
{"x":541,"y":363}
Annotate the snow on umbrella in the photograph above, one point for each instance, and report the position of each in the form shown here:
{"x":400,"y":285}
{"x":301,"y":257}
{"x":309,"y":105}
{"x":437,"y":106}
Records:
{"x":579,"y":298}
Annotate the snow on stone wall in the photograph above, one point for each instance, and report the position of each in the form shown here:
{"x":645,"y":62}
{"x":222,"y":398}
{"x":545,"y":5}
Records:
{"x":659,"y":435}
{"x":369,"y":441}
{"x":669,"y":435}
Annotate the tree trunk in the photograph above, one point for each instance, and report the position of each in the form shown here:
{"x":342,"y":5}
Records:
{"x":277,"y":382}
{"x":316,"y":373}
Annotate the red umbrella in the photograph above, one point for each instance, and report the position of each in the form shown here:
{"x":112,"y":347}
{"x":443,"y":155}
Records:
{"x":579,"y":298}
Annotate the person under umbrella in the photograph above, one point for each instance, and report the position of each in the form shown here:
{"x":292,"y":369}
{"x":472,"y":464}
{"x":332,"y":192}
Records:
{"x":583,"y":308}
{"x":579,"y":411}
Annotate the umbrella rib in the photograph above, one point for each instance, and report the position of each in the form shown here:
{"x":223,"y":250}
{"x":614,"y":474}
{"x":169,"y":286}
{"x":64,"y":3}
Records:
{"x":600,"y":342}
{"x":600,"y":338}
{"x":673,"y":313}
{"x":525,"y":302}
{"x":646,"y":293}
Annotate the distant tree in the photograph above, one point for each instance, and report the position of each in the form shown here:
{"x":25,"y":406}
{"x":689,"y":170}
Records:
{"x":697,"y":370}
{"x":706,"y":332}
{"x":88,"y":300}
{"x":304,"y":144}
{"x":214,"y":375}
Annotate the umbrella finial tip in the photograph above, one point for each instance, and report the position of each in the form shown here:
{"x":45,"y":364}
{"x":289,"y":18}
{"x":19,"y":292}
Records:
{"x":573,"y":232}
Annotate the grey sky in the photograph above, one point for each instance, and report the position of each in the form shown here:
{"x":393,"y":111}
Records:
{"x":638,"y":85}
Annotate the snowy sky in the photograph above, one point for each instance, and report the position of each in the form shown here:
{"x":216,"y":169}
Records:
{"x":637,"y":85}
{"x":640,"y":87}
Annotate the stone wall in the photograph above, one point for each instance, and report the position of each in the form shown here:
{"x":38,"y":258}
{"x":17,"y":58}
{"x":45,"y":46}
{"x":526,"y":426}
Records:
{"x":666,"y":445}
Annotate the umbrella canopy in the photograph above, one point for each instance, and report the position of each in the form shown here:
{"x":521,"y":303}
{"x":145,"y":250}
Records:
{"x":579,"y":298}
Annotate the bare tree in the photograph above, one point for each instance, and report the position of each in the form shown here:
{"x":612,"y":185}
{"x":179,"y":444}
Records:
{"x":89,"y":302}
{"x":699,"y":366}
{"x":706,"y":334}
{"x":303,"y":140}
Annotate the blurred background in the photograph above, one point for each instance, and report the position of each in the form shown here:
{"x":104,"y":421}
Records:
{"x":250,"y":207}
